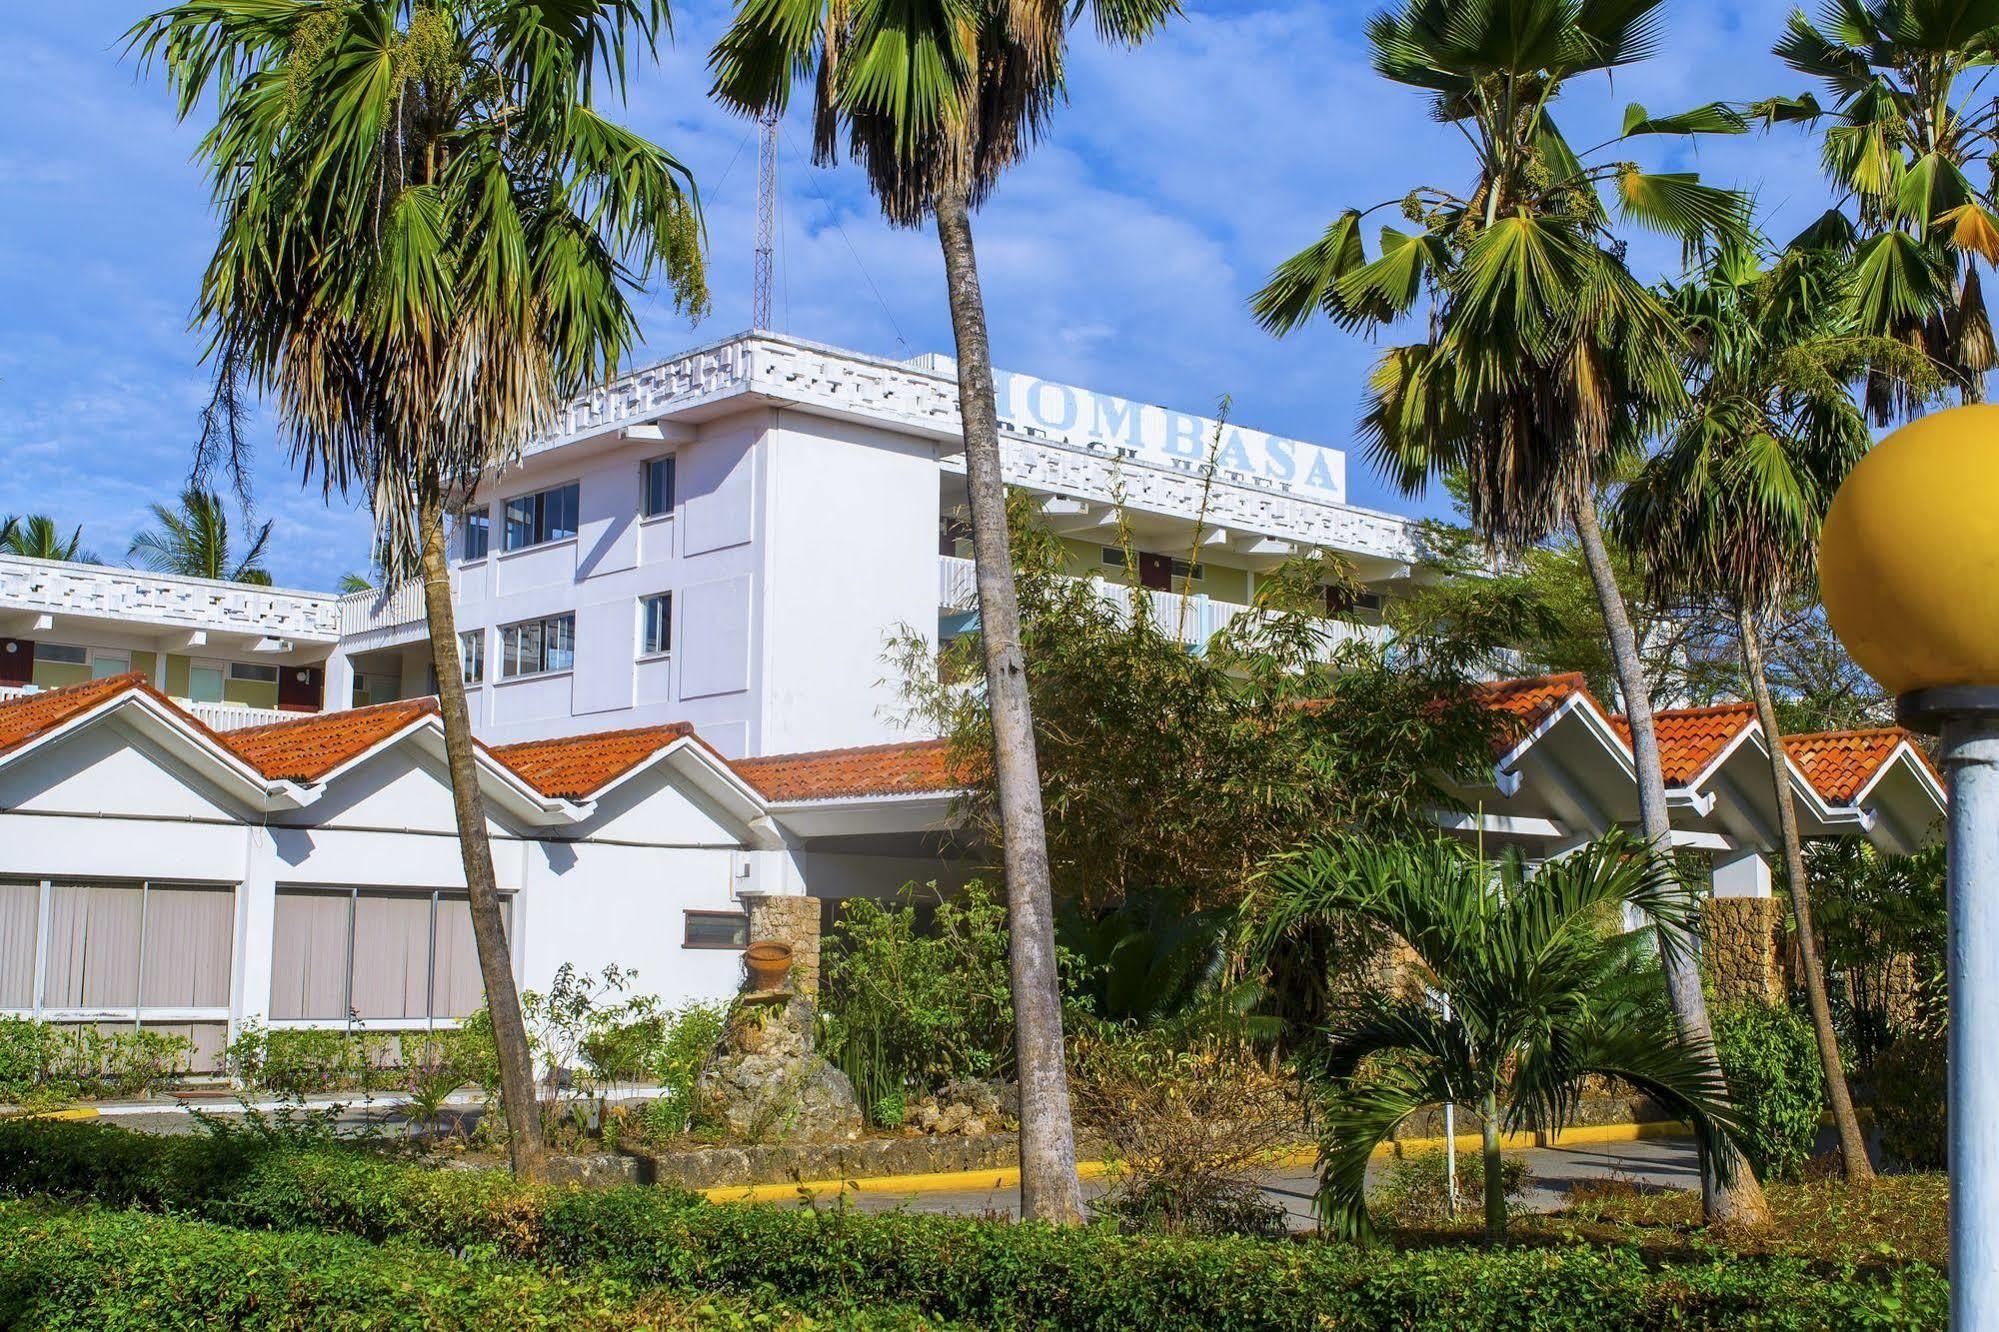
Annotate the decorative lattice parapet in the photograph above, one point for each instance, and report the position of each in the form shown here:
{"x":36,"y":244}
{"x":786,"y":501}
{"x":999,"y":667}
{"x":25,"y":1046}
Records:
{"x":1742,"y":955}
{"x":794,"y":920}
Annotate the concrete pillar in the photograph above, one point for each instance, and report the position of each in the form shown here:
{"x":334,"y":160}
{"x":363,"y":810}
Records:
{"x":791,"y":919}
{"x":339,"y":682}
{"x":256,"y":928}
{"x":1741,"y":874}
{"x":1739,"y":949}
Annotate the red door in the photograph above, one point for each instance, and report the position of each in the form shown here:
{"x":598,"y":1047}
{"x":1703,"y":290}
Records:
{"x":301,"y":688}
{"x":1155,"y":571}
{"x":17,"y":661}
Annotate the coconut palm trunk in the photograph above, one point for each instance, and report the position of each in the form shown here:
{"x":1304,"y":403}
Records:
{"x":510,"y":1041}
{"x":1049,"y":1190}
{"x":1739,"y":1202}
{"x":1852,"y":1146}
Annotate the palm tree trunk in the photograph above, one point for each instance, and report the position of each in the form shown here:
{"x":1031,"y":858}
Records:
{"x":1852,"y":1146}
{"x":1740,"y":1202}
{"x":1049,"y":1190}
{"x":503,"y":1000}
{"x":1495,"y":1187}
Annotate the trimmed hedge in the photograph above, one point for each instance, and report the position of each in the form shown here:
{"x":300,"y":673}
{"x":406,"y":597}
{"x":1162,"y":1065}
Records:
{"x":954,"y":1269}
{"x":84,"y":1268}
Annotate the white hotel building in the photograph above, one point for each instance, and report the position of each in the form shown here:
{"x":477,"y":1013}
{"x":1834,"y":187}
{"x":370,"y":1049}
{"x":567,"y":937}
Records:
{"x":221,"y":803}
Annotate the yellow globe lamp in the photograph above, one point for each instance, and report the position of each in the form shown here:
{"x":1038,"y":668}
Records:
{"x":1909,"y":558}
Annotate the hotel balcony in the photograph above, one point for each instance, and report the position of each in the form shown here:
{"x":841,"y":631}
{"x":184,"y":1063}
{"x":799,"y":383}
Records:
{"x":1192,"y":620}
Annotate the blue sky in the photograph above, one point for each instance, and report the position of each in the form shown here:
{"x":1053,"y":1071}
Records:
{"x":1119,"y":257}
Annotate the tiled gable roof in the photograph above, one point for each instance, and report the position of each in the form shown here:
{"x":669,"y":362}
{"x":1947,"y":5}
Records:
{"x":910,"y":768}
{"x":1839,"y":764}
{"x":571,"y":767}
{"x":314,"y":744}
{"x":1692,"y":738}
{"x":35,"y":715}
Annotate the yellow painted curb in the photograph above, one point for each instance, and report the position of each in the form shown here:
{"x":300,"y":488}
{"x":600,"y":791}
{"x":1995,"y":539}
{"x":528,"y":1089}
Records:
{"x":1007,"y":1177}
{"x":74,"y":1112}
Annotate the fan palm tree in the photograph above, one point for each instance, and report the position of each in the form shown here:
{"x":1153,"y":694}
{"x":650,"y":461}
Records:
{"x":1730,"y":507}
{"x":935,"y":100}
{"x":1543,"y":358}
{"x":195,"y":541}
{"x":1909,"y":125}
{"x":1519,"y":999}
{"x":37,"y":537}
{"x":428,"y":239}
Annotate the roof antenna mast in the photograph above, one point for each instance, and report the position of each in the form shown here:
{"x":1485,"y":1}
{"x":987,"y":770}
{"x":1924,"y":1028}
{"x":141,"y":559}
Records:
{"x":766,"y":217}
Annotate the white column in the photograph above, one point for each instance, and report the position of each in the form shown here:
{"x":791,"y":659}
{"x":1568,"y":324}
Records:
{"x":339,"y":682}
{"x":1971,"y":759}
{"x":1741,"y":874}
{"x":256,"y":925}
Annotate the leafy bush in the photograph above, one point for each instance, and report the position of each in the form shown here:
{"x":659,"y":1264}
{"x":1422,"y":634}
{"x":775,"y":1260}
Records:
{"x":297,"y":1062}
{"x":909,"y":1009}
{"x":123,"y":1270}
{"x":1184,"y":1127}
{"x":1777,"y":1082}
{"x":1909,"y":1105}
{"x":954,"y":1268}
{"x":1414,"y":1191}
{"x":43,"y":1062}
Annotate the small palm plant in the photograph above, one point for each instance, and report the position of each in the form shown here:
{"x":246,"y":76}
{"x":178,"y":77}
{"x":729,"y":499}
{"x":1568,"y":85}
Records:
{"x":194,"y":540}
{"x":37,"y":537}
{"x":1520,"y":999}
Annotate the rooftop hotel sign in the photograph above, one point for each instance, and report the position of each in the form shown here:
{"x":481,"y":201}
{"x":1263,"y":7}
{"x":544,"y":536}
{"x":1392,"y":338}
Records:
{"x":1150,"y":436}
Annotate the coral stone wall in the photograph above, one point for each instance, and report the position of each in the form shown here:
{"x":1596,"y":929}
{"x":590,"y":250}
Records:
{"x":795,"y":921}
{"x":1741,"y":941}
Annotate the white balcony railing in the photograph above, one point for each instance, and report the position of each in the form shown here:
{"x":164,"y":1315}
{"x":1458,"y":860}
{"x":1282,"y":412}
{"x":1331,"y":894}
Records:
{"x":1189,"y":619}
{"x":135,"y":596}
{"x":215,"y":716}
{"x":377,"y":618}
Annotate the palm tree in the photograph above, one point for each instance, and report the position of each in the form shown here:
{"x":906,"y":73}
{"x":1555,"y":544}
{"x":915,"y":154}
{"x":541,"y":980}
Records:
{"x":936,"y":99}
{"x":1522,"y":999}
{"x":1730,"y":508}
{"x":428,"y":238}
{"x":37,"y":537}
{"x":195,"y":542}
{"x":1544,"y":358}
{"x":1909,"y":123}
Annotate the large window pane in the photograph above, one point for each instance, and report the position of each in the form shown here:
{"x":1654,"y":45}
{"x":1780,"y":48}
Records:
{"x":659,"y":487}
{"x":309,"y":956}
{"x":93,"y":950}
{"x":188,"y":932}
{"x":20,"y":915}
{"x":391,"y":955}
{"x":457,"y":990}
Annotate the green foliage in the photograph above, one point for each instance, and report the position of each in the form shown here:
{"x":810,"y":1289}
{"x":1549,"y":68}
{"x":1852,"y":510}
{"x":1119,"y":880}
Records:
{"x":1881,"y":926}
{"x":297,"y":1062}
{"x":945,"y":1268}
{"x":43,"y":1063}
{"x":1910,"y":1107}
{"x":193,"y":541}
{"x":688,"y":1036}
{"x":37,"y":537}
{"x":909,"y":1009}
{"x":1414,"y":1190}
{"x":1145,"y":960}
{"x":1776,"y":1083}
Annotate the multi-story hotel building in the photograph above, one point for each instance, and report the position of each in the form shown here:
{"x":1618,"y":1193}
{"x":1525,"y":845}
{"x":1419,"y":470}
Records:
{"x":221,"y":803}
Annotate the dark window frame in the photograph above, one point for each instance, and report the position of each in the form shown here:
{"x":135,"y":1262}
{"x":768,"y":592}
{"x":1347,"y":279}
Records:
{"x":478,"y":523}
{"x":542,"y":517}
{"x":646,"y":602}
{"x":648,"y":508}
{"x":688,"y":917}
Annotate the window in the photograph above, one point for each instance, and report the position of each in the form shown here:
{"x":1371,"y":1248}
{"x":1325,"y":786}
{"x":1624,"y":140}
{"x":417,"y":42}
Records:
{"x":239,"y":670}
{"x":119,"y":947}
{"x":717,"y":929}
{"x":379,"y":955}
{"x":658,"y":623}
{"x":548,"y":515}
{"x":658,"y":487}
{"x":1113,"y":556}
{"x":472,"y":655}
{"x":478,"y":529}
{"x":538,"y":646}
{"x":61,"y":654}
{"x":103,"y":665}
{"x":204,"y":681}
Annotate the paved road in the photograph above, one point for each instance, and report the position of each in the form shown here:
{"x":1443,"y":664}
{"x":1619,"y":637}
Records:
{"x":1551,"y":1173}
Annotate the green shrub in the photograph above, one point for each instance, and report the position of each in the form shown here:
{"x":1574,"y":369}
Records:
{"x":688,"y":1039}
{"x":1909,"y":1106}
{"x":62,"y":1269}
{"x":43,"y":1062}
{"x":297,"y":1062}
{"x":954,"y":1268}
{"x":1776,"y":1081}
{"x":1413,"y":1191}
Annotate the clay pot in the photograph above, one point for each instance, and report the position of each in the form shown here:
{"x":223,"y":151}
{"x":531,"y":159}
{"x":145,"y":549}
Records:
{"x":769,"y":964}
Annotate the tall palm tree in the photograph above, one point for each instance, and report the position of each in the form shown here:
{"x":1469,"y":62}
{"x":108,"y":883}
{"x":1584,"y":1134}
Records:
{"x":935,"y":100}
{"x":1521,"y":999}
{"x":1909,"y":125}
{"x":37,"y":537}
{"x":1543,"y":357}
{"x":1730,"y":507}
{"x":428,"y":237}
{"x":195,"y":541}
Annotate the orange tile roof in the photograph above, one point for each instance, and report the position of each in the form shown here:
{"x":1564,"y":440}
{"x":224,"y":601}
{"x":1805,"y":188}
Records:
{"x":1839,"y":764}
{"x":1531,"y":701}
{"x":34,"y":715}
{"x":1691,"y":738}
{"x":571,"y":767}
{"x":909,"y":768}
{"x":306,"y":749}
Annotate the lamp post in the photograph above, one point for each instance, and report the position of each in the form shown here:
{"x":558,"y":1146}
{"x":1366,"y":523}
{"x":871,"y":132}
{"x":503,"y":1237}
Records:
{"x":1909,"y":568}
